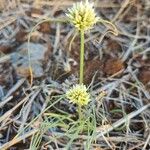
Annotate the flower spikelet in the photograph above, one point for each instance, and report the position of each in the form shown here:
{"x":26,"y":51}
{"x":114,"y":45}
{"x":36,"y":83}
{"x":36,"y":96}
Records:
{"x":78,"y":94}
{"x":82,"y":15}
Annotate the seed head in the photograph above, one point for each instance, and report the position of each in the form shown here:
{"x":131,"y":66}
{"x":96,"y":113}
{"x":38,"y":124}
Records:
{"x":82,"y":15}
{"x":78,"y":94}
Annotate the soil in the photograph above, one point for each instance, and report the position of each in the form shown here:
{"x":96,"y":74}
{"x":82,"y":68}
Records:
{"x":126,"y":80}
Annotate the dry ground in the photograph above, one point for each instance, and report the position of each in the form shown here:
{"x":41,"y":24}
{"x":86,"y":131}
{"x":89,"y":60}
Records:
{"x":119,"y":65}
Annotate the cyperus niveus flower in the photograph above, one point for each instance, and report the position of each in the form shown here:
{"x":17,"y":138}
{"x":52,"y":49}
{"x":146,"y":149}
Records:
{"x":82,"y":15}
{"x":78,"y":95}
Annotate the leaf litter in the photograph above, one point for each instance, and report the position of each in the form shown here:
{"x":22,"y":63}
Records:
{"x":118,"y":65}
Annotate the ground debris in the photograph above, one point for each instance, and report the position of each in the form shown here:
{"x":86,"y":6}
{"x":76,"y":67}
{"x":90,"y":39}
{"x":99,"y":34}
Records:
{"x":117,"y":65}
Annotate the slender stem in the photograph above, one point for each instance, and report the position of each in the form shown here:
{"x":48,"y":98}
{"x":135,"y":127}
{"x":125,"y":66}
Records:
{"x":81,"y":56}
{"x":79,"y":113}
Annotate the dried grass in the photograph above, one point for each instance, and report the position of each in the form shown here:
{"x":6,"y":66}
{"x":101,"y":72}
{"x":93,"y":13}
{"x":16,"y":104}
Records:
{"x":121,"y":118}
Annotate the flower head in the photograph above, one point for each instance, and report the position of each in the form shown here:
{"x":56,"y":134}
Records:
{"x":78,"y":95}
{"x":82,"y":15}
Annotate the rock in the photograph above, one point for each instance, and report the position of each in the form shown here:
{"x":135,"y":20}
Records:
{"x":20,"y":59}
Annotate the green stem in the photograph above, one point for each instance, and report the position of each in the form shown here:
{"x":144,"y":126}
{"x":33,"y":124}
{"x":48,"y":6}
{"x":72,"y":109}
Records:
{"x":81,"y":56}
{"x":79,"y":113}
